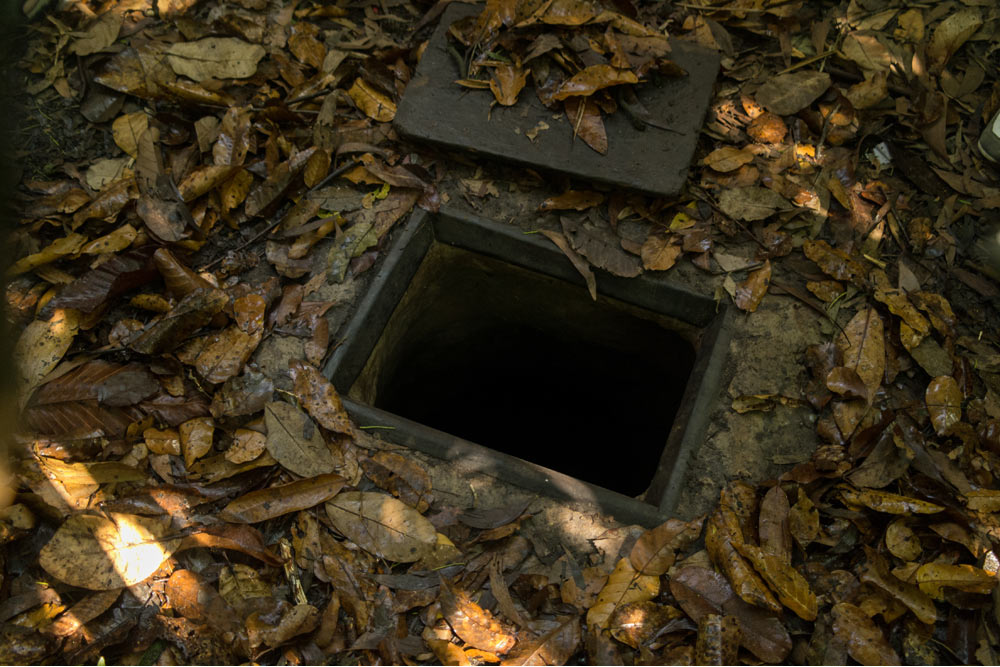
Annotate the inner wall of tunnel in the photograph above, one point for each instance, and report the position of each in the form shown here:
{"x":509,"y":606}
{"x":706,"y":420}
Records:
{"x":531,"y":366}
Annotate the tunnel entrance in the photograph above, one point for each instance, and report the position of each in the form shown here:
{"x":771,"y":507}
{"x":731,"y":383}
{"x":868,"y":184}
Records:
{"x":529,"y":365}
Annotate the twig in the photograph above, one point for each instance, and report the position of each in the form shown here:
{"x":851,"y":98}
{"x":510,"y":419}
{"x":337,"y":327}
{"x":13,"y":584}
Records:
{"x":826,"y":128}
{"x":808,"y":61}
{"x":278,"y":217}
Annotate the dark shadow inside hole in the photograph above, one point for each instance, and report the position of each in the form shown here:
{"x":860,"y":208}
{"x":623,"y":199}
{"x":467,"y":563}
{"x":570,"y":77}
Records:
{"x":531,"y":366}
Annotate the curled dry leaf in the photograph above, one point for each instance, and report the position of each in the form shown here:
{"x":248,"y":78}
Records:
{"x":901,"y":541}
{"x":41,"y":346}
{"x":720,"y":536}
{"x":295,"y":442}
{"x":372,"y":102}
{"x":889,"y":503}
{"x":625,"y":585}
{"x":104,"y":553}
{"x":507,"y":82}
{"x":944,"y":403}
{"x":636,"y":623}
{"x":585,"y":117}
{"x":655,"y":550}
{"x":933,"y":577}
{"x":791,"y":93}
{"x":383,"y":526}
{"x":718,"y":640}
{"x":773,"y":528}
{"x":728,"y":158}
{"x":579,"y":263}
{"x":876,"y":573}
{"x":83,"y":612}
{"x":319,"y":398}
{"x":865,"y":642}
{"x":950,"y":34}
{"x":751,"y":203}
{"x":834,"y":262}
{"x":554,"y":647}
{"x":273,"y":501}
{"x":577,"y":200}
{"x":593,"y":78}
{"x":791,"y":587}
{"x":215,"y":58}
{"x":473,"y":624}
{"x":862,"y":347}
{"x":659,"y":252}
{"x":751,"y":291}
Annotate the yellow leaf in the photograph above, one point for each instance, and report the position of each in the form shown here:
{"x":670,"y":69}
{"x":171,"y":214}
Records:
{"x":791,"y":587}
{"x":625,"y":585}
{"x":728,"y":158}
{"x":127,"y":129}
{"x":68,"y":245}
{"x":372,"y":103}
{"x":889,"y":503}
{"x":117,"y":240}
{"x":932,"y":577}
{"x":944,"y":403}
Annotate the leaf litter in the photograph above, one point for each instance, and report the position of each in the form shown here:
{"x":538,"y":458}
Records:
{"x":243,"y":512}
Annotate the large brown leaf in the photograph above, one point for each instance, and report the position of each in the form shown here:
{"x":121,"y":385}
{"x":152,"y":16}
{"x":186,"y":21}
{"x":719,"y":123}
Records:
{"x":655,"y":550}
{"x":273,"y":501}
{"x":295,"y":442}
{"x":865,"y":642}
{"x":383,"y":526}
{"x":473,"y":624}
{"x":319,"y":398}
{"x":121,"y":273}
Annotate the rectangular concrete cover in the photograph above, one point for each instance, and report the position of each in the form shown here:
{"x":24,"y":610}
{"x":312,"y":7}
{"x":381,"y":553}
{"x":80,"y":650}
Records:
{"x":435,"y":109}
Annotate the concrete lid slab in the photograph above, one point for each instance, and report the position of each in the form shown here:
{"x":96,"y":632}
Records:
{"x":436,"y":110}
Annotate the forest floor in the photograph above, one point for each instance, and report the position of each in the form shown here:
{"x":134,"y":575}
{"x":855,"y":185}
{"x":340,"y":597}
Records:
{"x":205,"y":191}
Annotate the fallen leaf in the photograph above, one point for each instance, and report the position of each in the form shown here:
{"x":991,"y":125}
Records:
{"x":601,"y":246}
{"x":660,"y":252}
{"x":655,"y":550}
{"x":67,"y":245}
{"x":722,"y":533}
{"x":507,"y":82}
{"x":718,"y":640}
{"x":371,"y":102}
{"x":865,"y":642}
{"x":577,"y":200}
{"x":625,"y":585}
{"x":775,"y":533}
{"x":215,"y":58}
{"x":83,"y":612}
{"x":901,"y":541}
{"x":728,"y":158}
{"x":196,"y":438}
{"x":862,"y":347}
{"x":933,"y":577}
{"x":752,"y":203}
{"x":593,"y":78}
{"x":383,"y":526}
{"x":876,"y":572}
{"x":274,"y":501}
{"x":105,"y":553}
{"x":319,"y":398}
{"x":865,"y":49}
{"x":41,"y":346}
{"x":554,"y":647}
{"x":473,"y":624}
{"x":790,"y":93}
{"x":951,"y":34}
{"x":636,"y":623}
{"x":751,"y":291}
{"x":889,"y":503}
{"x":295,"y":442}
{"x":587,"y":122}
{"x":944,"y":403}
{"x":791,"y":587}
{"x":579,"y":263}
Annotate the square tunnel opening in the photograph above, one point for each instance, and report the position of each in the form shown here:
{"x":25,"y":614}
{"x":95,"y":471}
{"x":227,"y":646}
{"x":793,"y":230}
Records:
{"x":480,"y":345}
{"x":531,"y":366}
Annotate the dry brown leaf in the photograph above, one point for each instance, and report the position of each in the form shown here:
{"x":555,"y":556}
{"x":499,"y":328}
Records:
{"x":507,"y":82}
{"x":752,"y":203}
{"x":728,"y":158}
{"x":773,"y":524}
{"x":67,"y":245}
{"x":319,"y":398}
{"x":867,"y":51}
{"x":593,"y":78}
{"x":865,"y":642}
{"x":944,"y":403}
{"x":579,"y":263}
{"x":295,"y":442}
{"x":876,"y":573}
{"x":751,"y":291}
{"x":554,"y":647}
{"x":950,"y":34}
{"x":790,"y":93}
{"x":901,"y":541}
{"x":862,"y":347}
{"x":383,"y":526}
{"x":473,"y":624}
{"x":215,"y":58}
{"x":196,"y":438}
{"x":372,"y":103}
{"x":127,"y":129}
{"x":660,"y":252}
{"x":41,"y":346}
{"x":587,"y":122}
{"x":933,"y":577}
{"x":625,"y":585}
{"x":273,"y":501}
{"x":577,"y":200}
{"x":889,"y":503}
{"x":791,"y":587}
{"x":104,"y":553}
{"x":655,"y":550}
